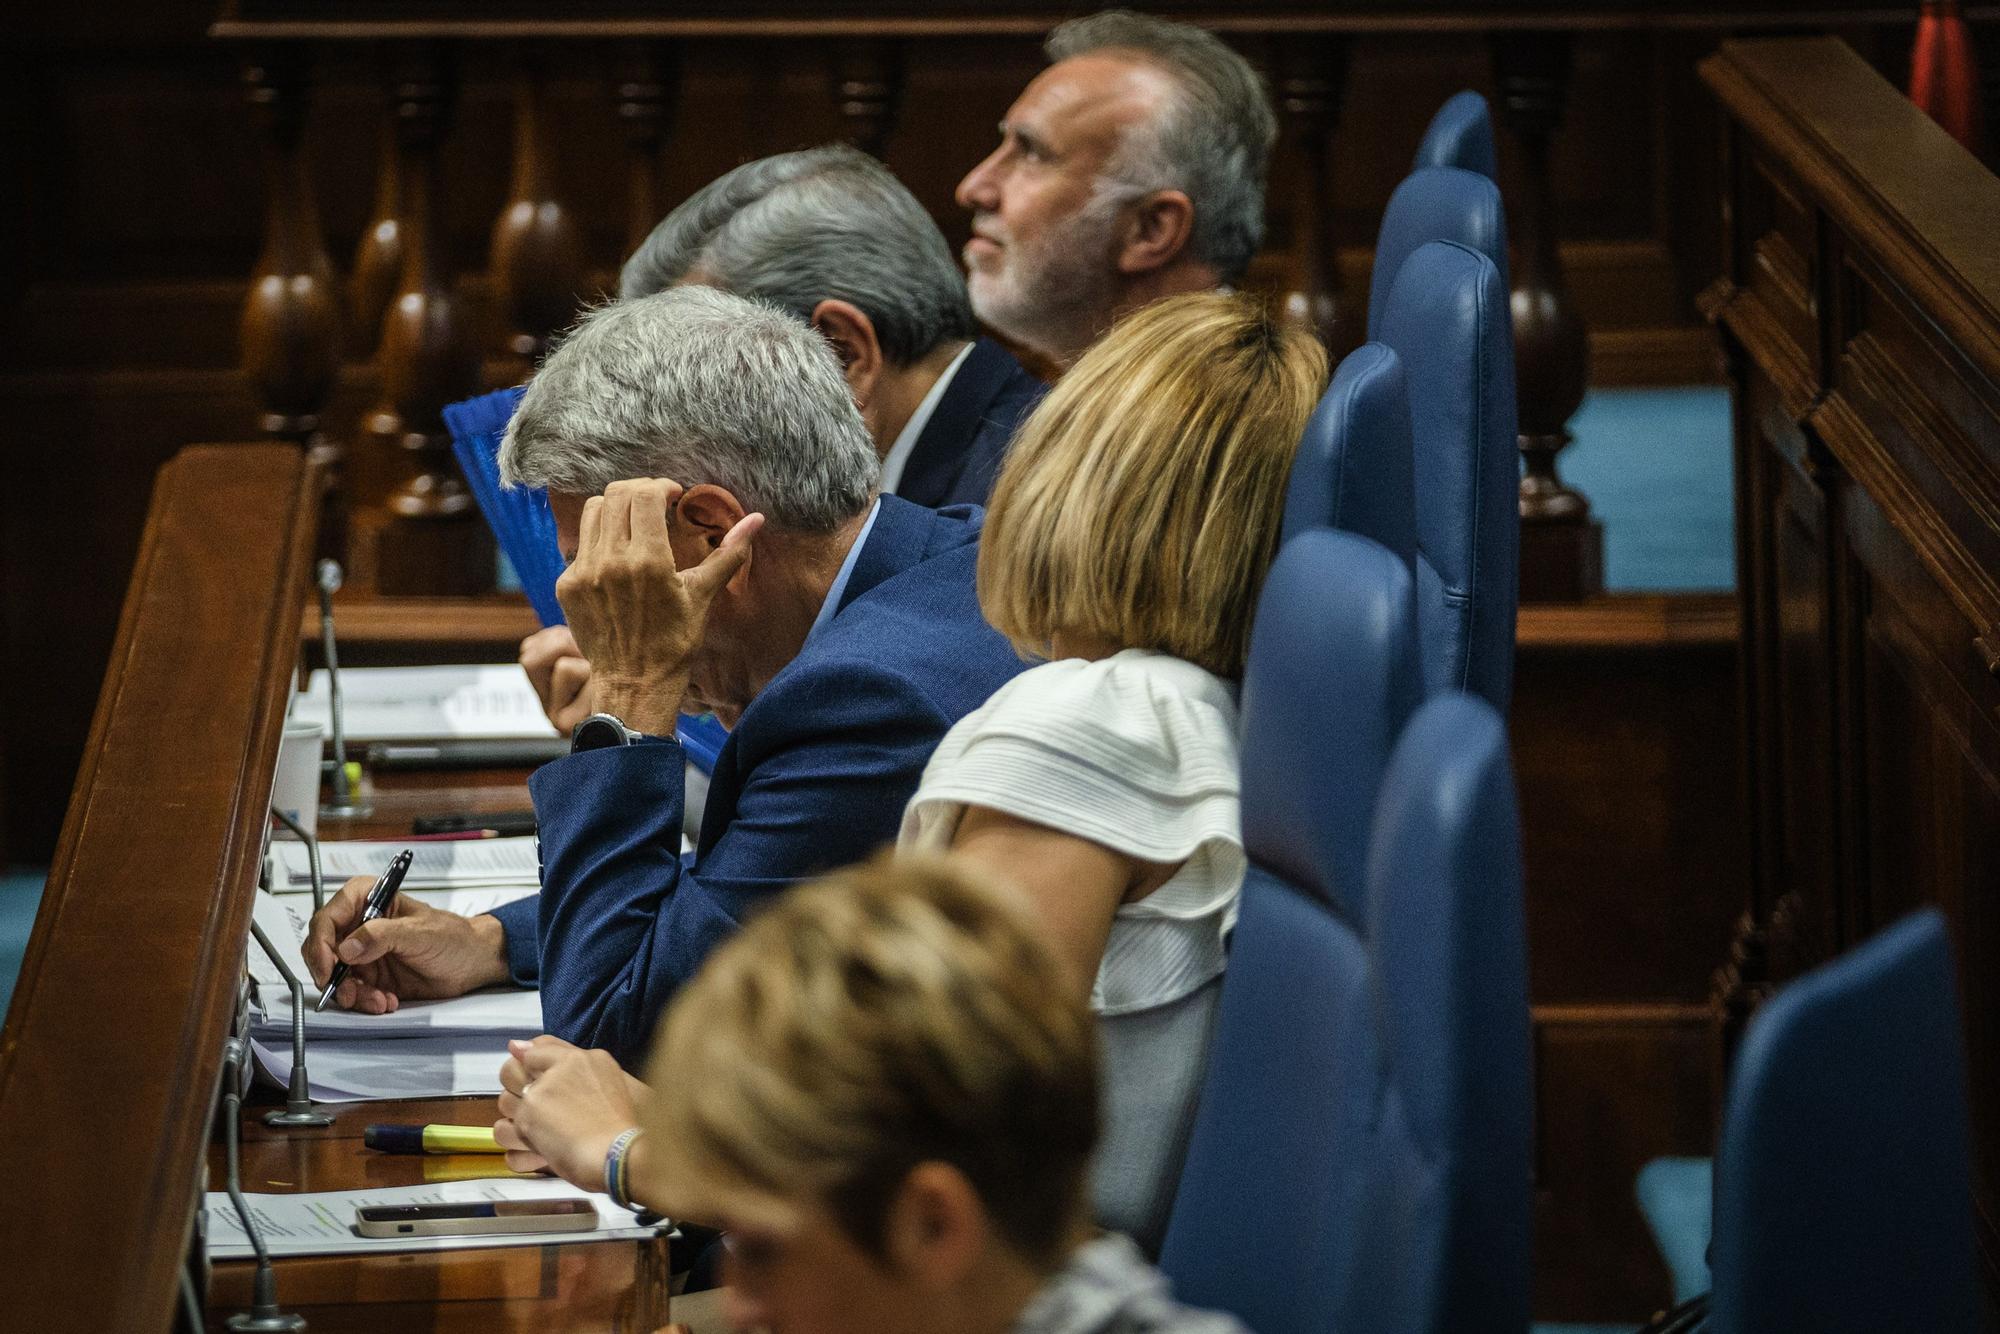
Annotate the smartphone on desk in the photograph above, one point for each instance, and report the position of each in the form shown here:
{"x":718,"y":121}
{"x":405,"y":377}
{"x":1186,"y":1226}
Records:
{"x":476,"y":1218}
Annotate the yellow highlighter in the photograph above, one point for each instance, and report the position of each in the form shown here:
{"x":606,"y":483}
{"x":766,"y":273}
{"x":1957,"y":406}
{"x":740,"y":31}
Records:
{"x":430,"y":1139}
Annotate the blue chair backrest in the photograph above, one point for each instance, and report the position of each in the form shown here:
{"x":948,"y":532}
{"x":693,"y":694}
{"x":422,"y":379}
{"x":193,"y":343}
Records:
{"x":1461,"y":135}
{"x":1843,"y":1182}
{"x":1447,"y":941}
{"x":1332,"y":677}
{"x":1435,"y":204}
{"x":1360,"y":1158}
{"x":1352,"y":471}
{"x":1447,"y":318}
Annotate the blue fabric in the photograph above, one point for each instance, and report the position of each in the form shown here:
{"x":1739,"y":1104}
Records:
{"x":814,"y":776}
{"x":1448,"y":319}
{"x":1461,"y":135}
{"x":519,"y":516}
{"x":1353,"y":467}
{"x":1843,"y":1199}
{"x":1332,"y":677}
{"x":1677,"y":1199}
{"x":1361,"y":1158}
{"x":962,"y":446}
{"x":1435,"y":204}
{"x":1657,"y":467}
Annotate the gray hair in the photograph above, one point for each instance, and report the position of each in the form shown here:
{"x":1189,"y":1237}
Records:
{"x":699,"y":386}
{"x":1213,"y":143}
{"x":800,"y":228}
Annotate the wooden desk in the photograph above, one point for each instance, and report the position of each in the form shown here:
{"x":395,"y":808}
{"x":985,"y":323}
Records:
{"x":608,"y":1286}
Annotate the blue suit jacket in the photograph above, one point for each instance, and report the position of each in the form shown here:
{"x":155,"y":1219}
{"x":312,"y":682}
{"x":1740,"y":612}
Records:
{"x":960,"y":450}
{"x":815,"y":776}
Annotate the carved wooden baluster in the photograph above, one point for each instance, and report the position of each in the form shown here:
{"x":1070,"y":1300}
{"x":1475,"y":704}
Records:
{"x":1312,"y":77}
{"x":432,"y":539}
{"x":378,"y":259}
{"x":537,"y":262}
{"x":868,"y":86}
{"x":647,"y":91}
{"x":291,"y":315}
{"x":1562,"y":547}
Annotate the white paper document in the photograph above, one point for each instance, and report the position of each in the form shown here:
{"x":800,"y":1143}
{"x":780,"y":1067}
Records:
{"x":472,"y":863}
{"x":483,"y":700}
{"x":424,"y":1049}
{"x":371,"y":1069}
{"x":322,"y":1223}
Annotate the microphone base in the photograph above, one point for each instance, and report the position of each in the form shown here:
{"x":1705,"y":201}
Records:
{"x":353,"y":810}
{"x":298,"y":1117}
{"x":276,"y":1322}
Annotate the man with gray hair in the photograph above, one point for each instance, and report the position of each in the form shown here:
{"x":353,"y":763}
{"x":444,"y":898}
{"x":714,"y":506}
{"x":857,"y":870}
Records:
{"x":715,"y":490}
{"x":829,"y":235}
{"x":1131,"y":169}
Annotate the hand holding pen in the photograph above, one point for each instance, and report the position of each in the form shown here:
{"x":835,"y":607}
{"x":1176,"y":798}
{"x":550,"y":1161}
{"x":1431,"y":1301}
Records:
{"x":375,"y":906}
{"x":373,"y":961}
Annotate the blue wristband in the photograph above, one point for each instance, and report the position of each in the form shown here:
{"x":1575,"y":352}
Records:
{"x":616,"y":1182}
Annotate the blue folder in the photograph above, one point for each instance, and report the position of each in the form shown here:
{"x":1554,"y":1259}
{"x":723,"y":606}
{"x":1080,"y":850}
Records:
{"x":526,"y":531}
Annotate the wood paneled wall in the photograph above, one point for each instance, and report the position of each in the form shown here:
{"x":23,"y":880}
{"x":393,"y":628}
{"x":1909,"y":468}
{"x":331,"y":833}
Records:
{"x":123,"y":254}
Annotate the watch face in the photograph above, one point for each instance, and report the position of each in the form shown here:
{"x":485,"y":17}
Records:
{"x":596,"y":732}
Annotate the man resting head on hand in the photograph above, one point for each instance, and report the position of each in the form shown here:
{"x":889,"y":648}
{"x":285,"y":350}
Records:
{"x":714,"y":486}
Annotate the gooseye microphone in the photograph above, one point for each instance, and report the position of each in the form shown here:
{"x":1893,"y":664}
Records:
{"x":343,"y":804}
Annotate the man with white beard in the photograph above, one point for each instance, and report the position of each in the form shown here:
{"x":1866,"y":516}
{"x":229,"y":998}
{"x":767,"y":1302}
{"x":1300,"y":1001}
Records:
{"x":1131,"y":169}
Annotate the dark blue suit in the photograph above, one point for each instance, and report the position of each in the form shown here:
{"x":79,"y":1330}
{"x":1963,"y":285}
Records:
{"x":815,"y":776}
{"x":960,"y":450}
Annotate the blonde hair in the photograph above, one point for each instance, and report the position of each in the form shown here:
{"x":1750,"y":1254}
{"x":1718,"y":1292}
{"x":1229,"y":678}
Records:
{"x":1141,"y":503}
{"x":887,"y":1015}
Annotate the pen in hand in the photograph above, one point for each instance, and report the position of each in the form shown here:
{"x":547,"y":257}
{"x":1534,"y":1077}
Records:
{"x":379,"y":898}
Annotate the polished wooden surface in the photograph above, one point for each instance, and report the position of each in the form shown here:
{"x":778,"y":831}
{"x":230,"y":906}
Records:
{"x":1860,"y":302}
{"x":113,"y":1044}
{"x":615,"y":1286}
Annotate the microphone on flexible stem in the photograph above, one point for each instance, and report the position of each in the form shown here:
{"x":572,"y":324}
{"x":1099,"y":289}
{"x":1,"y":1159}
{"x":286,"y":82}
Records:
{"x":344,"y":804}
{"x":299,"y":1110}
{"x":263,"y":1317}
{"x":312,"y":856}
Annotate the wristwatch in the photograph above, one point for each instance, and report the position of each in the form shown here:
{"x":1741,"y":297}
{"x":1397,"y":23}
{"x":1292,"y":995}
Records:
{"x":600,"y":730}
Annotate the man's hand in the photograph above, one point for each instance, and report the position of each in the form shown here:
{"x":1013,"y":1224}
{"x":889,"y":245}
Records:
{"x":635,"y":615}
{"x":414,"y":952}
{"x":560,"y":674}
{"x":561,"y":1107}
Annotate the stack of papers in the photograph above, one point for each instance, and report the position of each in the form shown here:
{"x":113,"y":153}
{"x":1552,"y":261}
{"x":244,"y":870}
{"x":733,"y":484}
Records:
{"x":425,"y":1049}
{"x":473,"y":863}
{"x":480,"y":701}
{"x":322,"y":1222}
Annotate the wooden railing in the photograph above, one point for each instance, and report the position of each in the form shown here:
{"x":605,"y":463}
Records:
{"x":1860,"y":303}
{"x":403,"y":514}
{"x":113,"y":1044}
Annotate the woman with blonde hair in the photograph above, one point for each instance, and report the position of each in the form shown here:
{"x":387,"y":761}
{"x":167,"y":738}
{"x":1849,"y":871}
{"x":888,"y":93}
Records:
{"x":1130,"y":533}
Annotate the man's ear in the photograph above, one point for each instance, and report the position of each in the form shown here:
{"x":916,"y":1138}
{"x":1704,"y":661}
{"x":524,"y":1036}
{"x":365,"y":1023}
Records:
{"x":707,"y":512}
{"x":936,"y":1227}
{"x":852,"y":334}
{"x":1157,"y":232}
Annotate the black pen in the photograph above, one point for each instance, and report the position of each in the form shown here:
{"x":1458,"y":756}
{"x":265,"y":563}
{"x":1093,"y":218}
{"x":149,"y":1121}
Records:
{"x":379,"y":899}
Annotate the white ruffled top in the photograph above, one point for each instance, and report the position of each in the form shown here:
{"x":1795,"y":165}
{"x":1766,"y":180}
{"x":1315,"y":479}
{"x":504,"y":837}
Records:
{"x":1136,"y":752}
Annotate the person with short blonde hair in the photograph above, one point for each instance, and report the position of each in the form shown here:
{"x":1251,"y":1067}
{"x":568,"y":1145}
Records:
{"x":884,"y":1094}
{"x":1143,"y":502}
{"x":1130,"y":534}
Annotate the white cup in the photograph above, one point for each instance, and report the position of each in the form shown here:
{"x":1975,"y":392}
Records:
{"x":295,"y":789}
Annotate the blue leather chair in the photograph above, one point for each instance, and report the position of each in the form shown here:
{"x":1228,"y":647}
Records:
{"x":1447,"y":319}
{"x":1360,"y":1161}
{"x":1333,"y":676}
{"x":1843,"y":1182}
{"x":1435,"y":204}
{"x":1353,"y":468}
{"x":1461,"y":135}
